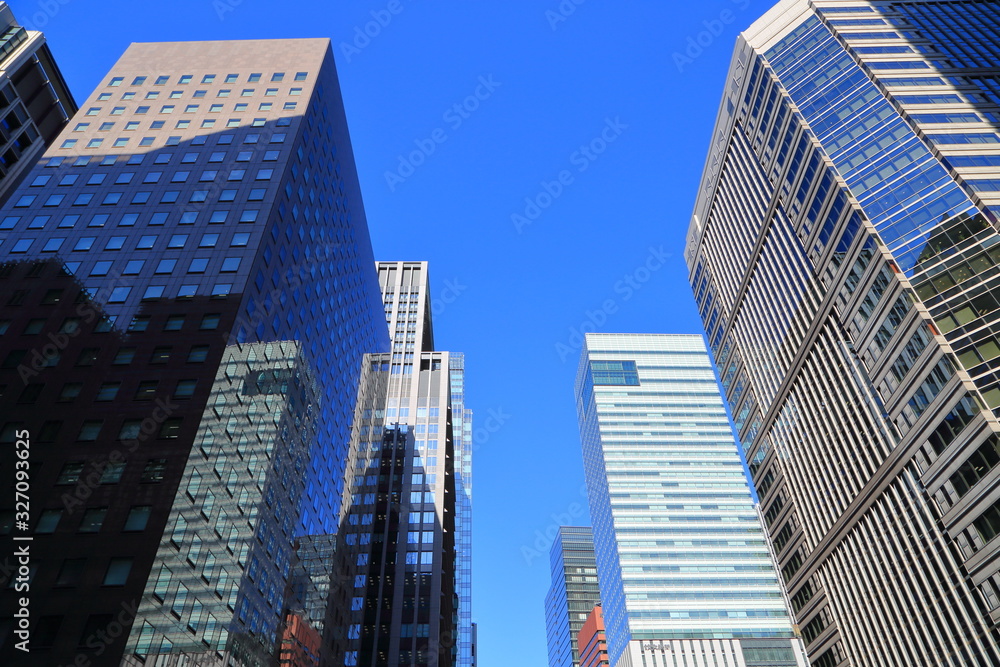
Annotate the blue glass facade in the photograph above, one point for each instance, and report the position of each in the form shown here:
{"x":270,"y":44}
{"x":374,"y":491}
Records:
{"x":572,"y":594}
{"x":210,"y":187}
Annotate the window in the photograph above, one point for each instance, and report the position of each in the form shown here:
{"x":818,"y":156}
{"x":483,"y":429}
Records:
{"x":116,"y":81}
{"x":71,"y":572}
{"x":88,"y":356}
{"x":70,"y":473}
{"x":171,"y":429}
{"x":119,"y":294}
{"x":174,"y":323}
{"x":118,"y":111}
{"x":198,"y":265}
{"x":210,"y":321}
{"x":137,"y":518}
{"x":146,"y":390}
{"x":185,"y":388}
{"x":48,"y":521}
{"x":90,"y":430}
{"x":301,"y":76}
{"x":124,"y":356}
{"x":208,"y":241}
{"x":139,"y":323}
{"x":93,"y":519}
{"x":153,"y":292}
{"x":198,"y":354}
{"x":240,"y":239}
{"x":108,"y":391}
{"x":118,"y":571}
{"x":230,"y":265}
{"x":155,"y":470}
{"x":112,"y":473}
{"x":186,"y":78}
{"x":161,"y":355}
{"x":70,"y":391}
{"x":254,"y":78}
{"x":133,"y":267}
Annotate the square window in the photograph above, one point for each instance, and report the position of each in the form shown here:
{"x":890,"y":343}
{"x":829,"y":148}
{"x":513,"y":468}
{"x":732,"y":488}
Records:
{"x":225,"y":195}
{"x":70,"y":573}
{"x":198,"y":265}
{"x":118,"y":571}
{"x":108,"y":391}
{"x":133,"y":267}
{"x":161,"y":80}
{"x":264,"y":106}
{"x":124,"y":356}
{"x":271,"y":92}
{"x":301,"y":76}
{"x":53,"y":244}
{"x":138,"y":518}
{"x":217,"y":157}
{"x":289,"y":106}
{"x":116,"y":81}
{"x":104,"y":97}
{"x":198,"y":196}
{"x":264,"y":174}
{"x":127,"y":220}
{"x":93,"y":519}
{"x":146,"y":390}
{"x":180,"y":176}
{"x":208,"y":241}
{"x":88,"y":356}
{"x":225,"y":139}
{"x":241,"y":106}
{"x":146,"y":141}
{"x":70,"y":391}
{"x":187,"y":291}
{"x":161,"y":355}
{"x":118,"y":111}
{"x":21,"y":246}
{"x":120,"y":142}
{"x":157,"y":124}
{"x":119,"y":294}
{"x":208,"y":122}
{"x":49,"y":519}
{"x":152,"y":95}
{"x":174,"y":323}
{"x":189,"y":158}
{"x":198,"y":354}
{"x":38,"y":222}
{"x":295,"y":91}
{"x":153,"y":292}
{"x":232,"y":78}
{"x":84,"y":244}
{"x":105,"y":127}
{"x":142,"y":110}
{"x":112,"y":473}
{"x":218,"y":217}
{"x":257,"y":194}
{"x":171,"y":429}
{"x":139,"y":323}
{"x":141,"y":197}
{"x":166,"y":266}
{"x":189,"y":217}
{"x":170,"y":197}
{"x":101,"y":268}
{"x":185,"y":388}
{"x":177,"y":241}
{"x":191,"y":108}
{"x":222,"y":289}
{"x":145,"y":242}
{"x":254,"y":78}
{"x":115,"y":243}
{"x":215,"y":108}
{"x":167,"y":108}
{"x":233,"y":122}
{"x":230,"y":265}
{"x":93,"y":111}
{"x":128,"y":96}
{"x":112,"y":198}
{"x":25,"y":201}
{"x":155,"y":469}
{"x":90,"y":430}
{"x":210,"y":321}
{"x":186,"y":78}
{"x":173,"y":141}
{"x":69,"y":143}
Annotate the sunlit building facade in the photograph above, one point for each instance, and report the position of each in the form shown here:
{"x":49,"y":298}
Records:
{"x":686,"y":575}
{"x":843,"y":256}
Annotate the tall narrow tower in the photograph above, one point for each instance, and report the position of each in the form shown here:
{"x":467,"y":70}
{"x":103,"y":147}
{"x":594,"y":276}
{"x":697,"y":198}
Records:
{"x":572,"y":594}
{"x":843,"y":254}
{"x":685,"y":571}
{"x":400,"y":547}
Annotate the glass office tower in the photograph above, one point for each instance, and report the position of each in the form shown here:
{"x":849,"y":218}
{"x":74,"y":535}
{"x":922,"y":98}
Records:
{"x":401,"y":598}
{"x":685,"y":571}
{"x":187,"y":294}
{"x":843,"y":254}
{"x":572,"y":594}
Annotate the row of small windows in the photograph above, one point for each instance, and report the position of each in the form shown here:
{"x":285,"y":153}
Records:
{"x":190,"y":108}
{"x":70,"y":220}
{"x":93,"y":518}
{"x":141,"y":197}
{"x":199,"y":94}
{"x":127,"y":177}
{"x":165,"y":158}
{"x":97,"y":142}
{"x":108,"y":391}
{"x":183,"y":79}
{"x":184,"y":124}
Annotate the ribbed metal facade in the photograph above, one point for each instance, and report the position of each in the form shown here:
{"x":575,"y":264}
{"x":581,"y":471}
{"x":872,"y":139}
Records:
{"x":842,"y":254}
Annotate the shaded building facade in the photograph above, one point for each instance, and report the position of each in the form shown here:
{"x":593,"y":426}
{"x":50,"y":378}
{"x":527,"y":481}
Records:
{"x":572,"y":593}
{"x":685,"y":571}
{"x":592,"y":641}
{"x":842,"y":256}
{"x":204,"y":200}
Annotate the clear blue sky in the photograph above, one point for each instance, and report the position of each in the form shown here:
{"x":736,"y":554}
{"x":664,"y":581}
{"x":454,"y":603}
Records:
{"x":516,"y":290}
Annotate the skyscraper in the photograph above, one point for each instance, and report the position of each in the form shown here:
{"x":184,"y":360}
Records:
{"x":685,"y":571}
{"x":842,"y":254}
{"x":35,"y":103}
{"x":188,"y":295}
{"x":572,"y":594}
{"x":402,"y":599}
